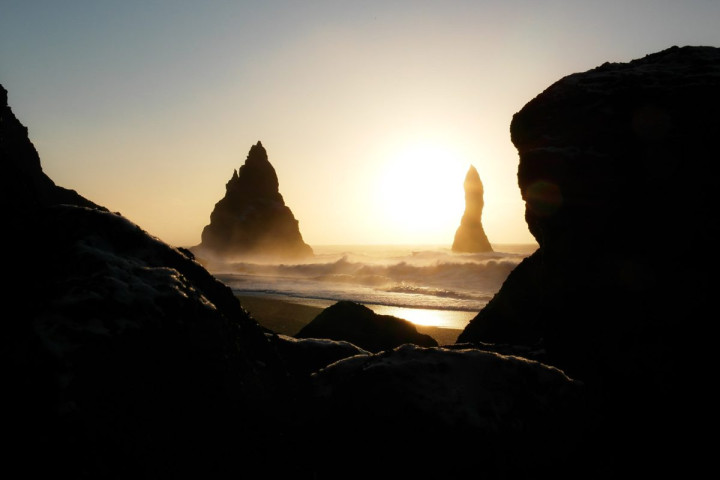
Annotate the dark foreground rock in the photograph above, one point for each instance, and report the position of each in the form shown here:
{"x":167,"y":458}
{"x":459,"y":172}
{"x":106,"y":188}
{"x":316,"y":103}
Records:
{"x":305,"y":356}
{"x":252,"y":220}
{"x":419,"y":412}
{"x":122,"y":357}
{"x":359,"y":325}
{"x":616,"y":171}
{"x":124,"y":353}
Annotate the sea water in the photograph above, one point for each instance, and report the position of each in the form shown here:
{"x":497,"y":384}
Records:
{"x":428,"y":285}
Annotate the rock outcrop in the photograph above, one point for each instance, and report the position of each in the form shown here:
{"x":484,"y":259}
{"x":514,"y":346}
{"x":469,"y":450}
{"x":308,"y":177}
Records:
{"x":357,"y":324}
{"x":304,"y":356}
{"x":121,"y":355}
{"x":470,"y":236}
{"x":23,"y":184}
{"x":252,"y":220}
{"x":616,"y":171}
{"x":516,"y":418}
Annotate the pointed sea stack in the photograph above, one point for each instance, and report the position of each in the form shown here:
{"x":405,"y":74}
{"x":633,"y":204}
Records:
{"x":252,"y":218}
{"x":470,"y":236}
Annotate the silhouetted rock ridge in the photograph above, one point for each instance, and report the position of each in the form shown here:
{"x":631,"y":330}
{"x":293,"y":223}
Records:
{"x":121,"y":355}
{"x":23,"y":184}
{"x":470,"y":236}
{"x":252,"y":218}
{"x":616,"y":170}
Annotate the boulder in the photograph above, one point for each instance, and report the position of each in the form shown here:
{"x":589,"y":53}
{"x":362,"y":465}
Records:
{"x":252,"y":220}
{"x":359,"y":325}
{"x":415,"y":412}
{"x":616,"y":172}
{"x":470,"y":236}
{"x":304,"y":356}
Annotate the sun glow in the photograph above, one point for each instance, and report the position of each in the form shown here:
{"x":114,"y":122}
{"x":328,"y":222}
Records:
{"x":456,"y":319}
{"x":420,"y":188}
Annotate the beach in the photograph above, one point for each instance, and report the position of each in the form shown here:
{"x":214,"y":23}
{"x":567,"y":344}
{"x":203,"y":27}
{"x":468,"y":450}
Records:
{"x":437,"y":290}
{"x":287,"y":316}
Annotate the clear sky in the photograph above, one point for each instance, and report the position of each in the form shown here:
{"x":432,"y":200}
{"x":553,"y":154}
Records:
{"x":371,"y":111}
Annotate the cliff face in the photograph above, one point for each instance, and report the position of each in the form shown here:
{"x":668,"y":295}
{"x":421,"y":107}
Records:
{"x":616,"y":171}
{"x":23,"y":184}
{"x":122,"y":356}
{"x":616,"y":174}
{"x":252,"y":218}
{"x":470,"y":236}
{"x":359,"y":325}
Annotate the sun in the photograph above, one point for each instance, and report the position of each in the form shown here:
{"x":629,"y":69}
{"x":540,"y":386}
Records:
{"x":420,"y":192}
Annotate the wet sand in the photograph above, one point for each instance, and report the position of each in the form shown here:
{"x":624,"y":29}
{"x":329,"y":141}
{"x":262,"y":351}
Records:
{"x":287,"y":317}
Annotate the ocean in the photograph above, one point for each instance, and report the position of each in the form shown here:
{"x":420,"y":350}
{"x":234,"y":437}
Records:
{"x":427,"y":285}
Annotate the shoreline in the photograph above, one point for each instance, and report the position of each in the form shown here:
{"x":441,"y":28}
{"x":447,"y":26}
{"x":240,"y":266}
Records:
{"x":286,"y":317}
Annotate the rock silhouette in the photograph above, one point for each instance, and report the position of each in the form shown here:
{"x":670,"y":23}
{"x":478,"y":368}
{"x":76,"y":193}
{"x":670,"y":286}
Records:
{"x":305,"y":356}
{"x":252,"y":218}
{"x":357,"y":324}
{"x":514,"y":415}
{"x":616,"y":172}
{"x":470,"y":236}
{"x":119,"y":352}
{"x":23,"y":184}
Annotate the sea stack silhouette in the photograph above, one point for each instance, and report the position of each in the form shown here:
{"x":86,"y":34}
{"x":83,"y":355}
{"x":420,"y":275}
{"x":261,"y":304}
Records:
{"x":470,"y":236}
{"x":252,"y":218}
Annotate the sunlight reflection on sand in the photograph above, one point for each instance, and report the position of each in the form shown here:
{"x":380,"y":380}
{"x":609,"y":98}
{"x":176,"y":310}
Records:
{"x":421,"y":316}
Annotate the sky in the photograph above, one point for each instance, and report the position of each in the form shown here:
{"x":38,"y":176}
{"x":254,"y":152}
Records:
{"x":371,"y":111}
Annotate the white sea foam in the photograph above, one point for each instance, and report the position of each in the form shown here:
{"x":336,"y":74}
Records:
{"x":393,"y":276}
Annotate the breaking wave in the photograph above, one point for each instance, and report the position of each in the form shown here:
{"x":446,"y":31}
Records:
{"x":395,"y":276}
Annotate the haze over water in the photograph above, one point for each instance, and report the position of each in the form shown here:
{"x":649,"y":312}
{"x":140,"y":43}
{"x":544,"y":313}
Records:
{"x":427,"y":285}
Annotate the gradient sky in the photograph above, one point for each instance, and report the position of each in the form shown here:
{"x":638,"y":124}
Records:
{"x":371,"y":111}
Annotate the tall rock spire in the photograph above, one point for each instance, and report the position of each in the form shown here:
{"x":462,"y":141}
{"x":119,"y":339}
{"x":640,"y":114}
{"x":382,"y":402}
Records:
{"x":252,"y":218}
{"x":470,"y":236}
